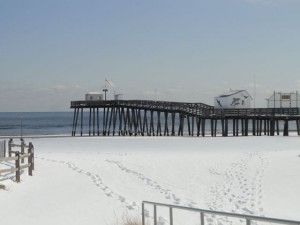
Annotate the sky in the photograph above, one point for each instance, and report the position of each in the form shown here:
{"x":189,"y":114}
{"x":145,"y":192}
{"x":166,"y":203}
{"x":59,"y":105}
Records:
{"x":53,"y":52}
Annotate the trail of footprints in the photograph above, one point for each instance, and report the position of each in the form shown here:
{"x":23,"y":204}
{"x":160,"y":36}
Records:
{"x":166,"y":192}
{"x":96,"y":179}
{"x":241,"y":190}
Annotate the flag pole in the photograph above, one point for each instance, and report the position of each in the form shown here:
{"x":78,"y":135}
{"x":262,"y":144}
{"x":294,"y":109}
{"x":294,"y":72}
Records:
{"x":105,"y":89}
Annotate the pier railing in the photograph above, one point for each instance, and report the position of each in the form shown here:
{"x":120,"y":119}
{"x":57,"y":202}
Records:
{"x":202,"y":213}
{"x":193,"y":109}
{"x":257,"y":111}
{"x":27,"y":151}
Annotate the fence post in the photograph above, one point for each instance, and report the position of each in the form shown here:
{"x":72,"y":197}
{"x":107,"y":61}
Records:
{"x":4,"y":148}
{"x":22,"y":149}
{"x":32,"y":154}
{"x":10,"y":142}
{"x":30,"y":162}
{"x":18,"y":167}
{"x":248,"y":222}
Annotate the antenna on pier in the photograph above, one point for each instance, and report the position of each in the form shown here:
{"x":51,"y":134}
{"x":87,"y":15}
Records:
{"x":254,"y":91}
{"x":105,"y":88}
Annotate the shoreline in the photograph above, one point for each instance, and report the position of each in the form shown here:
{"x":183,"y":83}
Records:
{"x":207,"y":135}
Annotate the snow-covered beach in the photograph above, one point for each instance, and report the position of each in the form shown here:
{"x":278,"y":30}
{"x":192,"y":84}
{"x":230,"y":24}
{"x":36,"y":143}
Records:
{"x":96,"y":180}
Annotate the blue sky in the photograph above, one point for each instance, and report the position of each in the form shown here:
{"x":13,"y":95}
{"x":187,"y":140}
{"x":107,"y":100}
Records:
{"x":54,"y":51}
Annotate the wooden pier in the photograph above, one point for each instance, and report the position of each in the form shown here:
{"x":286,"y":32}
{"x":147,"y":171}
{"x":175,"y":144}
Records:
{"x":158,"y":118}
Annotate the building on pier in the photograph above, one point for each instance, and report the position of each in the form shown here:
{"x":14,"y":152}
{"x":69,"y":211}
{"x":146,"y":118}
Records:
{"x":118,"y":96}
{"x":93,"y":96}
{"x":283,"y":100}
{"x":234,"y":99}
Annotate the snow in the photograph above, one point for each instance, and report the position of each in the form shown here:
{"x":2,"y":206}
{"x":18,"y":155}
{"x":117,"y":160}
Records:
{"x":96,"y":180}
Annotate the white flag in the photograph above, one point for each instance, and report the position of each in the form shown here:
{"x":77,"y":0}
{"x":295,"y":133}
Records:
{"x":109,"y":82}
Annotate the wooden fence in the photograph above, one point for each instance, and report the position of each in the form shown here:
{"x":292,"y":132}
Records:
{"x":26,"y":151}
{"x":2,"y":148}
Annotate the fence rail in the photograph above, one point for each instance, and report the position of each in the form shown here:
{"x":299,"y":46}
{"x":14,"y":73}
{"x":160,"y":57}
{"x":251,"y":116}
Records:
{"x":19,"y":159}
{"x":248,"y":218}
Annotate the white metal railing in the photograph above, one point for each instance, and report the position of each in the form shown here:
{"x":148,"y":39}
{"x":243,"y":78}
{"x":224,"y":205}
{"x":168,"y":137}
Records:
{"x":247,"y":218}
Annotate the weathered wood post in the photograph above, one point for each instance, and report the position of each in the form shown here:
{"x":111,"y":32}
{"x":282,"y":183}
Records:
{"x":254,"y":126}
{"x":193,"y":125}
{"x":226,"y":126}
{"x":22,"y":149}
{"x":173,"y":123}
{"x":32,"y":151}
{"x":234,"y":126}
{"x":3,"y":146}
{"x":158,"y":127}
{"x":145,"y":123}
{"x":286,"y":127}
{"x":76,"y":121}
{"x":212,"y":127}
{"x":203,"y":127}
{"x":181,"y":124}
{"x":94,"y":120}
{"x":166,"y":129}
{"x":216,"y":124}
{"x":73,"y":132}
{"x":90,"y":121}
{"x":31,"y":148}
{"x":30,"y":162}
{"x":151,"y":123}
{"x":189,"y":124}
{"x":17,"y":164}
{"x":247,"y":126}
{"x":115,"y":118}
{"x":10,"y":142}
{"x":243,"y":126}
{"x":81,"y":122}
{"x":272,"y":127}
{"x":237,"y":126}
{"x":277,"y":126}
{"x":260,"y":126}
{"x":140,"y":123}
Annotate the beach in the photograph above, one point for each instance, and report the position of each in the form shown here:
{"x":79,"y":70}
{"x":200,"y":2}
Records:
{"x":97,"y":180}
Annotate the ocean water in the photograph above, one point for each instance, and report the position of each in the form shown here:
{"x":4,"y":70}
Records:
{"x":35,"y":123}
{"x":60,"y":123}
{"x":54,"y":123}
